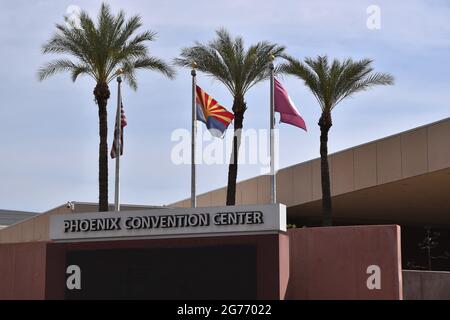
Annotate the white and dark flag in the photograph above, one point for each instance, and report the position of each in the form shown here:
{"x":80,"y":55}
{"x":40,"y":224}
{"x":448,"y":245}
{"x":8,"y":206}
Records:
{"x":123,"y":122}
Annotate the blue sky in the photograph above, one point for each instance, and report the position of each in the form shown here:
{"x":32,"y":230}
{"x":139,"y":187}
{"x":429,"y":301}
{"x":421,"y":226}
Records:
{"x":49,"y":130}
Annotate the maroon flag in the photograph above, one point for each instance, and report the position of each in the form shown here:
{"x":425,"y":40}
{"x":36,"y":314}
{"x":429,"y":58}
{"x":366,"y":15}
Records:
{"x":123,"y":122}
{"x":286,"y":108}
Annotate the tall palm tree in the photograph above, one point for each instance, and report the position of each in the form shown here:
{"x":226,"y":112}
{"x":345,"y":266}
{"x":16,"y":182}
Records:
{"x":226,"y":60}
{"x":99,"y":51}
{"x":331,"y":84}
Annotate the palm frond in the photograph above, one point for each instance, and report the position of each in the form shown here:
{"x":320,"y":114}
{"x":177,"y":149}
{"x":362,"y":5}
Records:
{"x":81,"y":69}
{"x":304,"y":72}
{"x":226,"y":60}
{"x":60,"y":65}
{"x":208,"y":61}
{"x":100,"y":48}
{"x":259,"y":70}
{"x":331,"y":84}
{"x":152,"y":63}
{"x":129,"y":74}
{"x":365,"y":83}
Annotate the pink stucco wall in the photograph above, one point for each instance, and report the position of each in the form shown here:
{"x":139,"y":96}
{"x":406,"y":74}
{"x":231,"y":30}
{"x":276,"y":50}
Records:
{"x":332,"y":262}
{"x":308,"y":263}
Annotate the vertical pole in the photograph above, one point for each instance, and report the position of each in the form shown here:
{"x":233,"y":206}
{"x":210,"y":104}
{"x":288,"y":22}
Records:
{"x":118,"y":130}
{"x":273,"y":182}
{"x":429,"y":240}
{"x":194,"y":135}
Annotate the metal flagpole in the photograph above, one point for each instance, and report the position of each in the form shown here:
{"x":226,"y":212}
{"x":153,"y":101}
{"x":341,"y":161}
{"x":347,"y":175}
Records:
{"x":118,"y":130}
{"x":194,"y":134}
{"x":273,"y":181}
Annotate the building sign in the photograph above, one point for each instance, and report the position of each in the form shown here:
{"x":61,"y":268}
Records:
{"x":169,"y":222}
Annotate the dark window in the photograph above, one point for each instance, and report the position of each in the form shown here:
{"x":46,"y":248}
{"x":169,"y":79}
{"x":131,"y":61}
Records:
{"x":214,"y":272}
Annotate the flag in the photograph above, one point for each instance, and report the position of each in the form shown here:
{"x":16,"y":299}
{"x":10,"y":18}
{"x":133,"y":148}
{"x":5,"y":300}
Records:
{"x":123,"y":121}
{"x":216,"y":117}
{"x":284,"y":105}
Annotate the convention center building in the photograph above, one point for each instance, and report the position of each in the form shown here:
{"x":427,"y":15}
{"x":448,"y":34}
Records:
{"x":390,"y":237}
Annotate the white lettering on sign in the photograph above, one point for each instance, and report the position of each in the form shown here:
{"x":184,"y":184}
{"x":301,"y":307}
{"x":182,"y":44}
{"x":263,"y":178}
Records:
{"x":374,"y":280}
{"x":74,"y":279}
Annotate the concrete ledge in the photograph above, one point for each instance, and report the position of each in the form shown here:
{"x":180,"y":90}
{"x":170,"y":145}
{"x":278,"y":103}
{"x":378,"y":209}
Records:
{"x":426,"y":285}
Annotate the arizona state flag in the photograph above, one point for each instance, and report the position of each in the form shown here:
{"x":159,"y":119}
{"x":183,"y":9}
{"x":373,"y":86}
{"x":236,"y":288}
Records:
{"x":210,"y":112}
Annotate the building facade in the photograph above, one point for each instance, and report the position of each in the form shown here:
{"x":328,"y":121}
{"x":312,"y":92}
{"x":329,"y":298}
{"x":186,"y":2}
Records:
{"x":389,"y":197}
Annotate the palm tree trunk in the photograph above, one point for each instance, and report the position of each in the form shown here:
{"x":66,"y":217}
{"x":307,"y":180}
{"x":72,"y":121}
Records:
{"x":325,"y":124}
{"x":101,"y":93}
{"x":239,"y":108}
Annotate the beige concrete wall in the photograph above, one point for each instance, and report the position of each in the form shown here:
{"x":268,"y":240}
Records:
{"x":33,"y":229}
{"x":404,"y":155}
{"x":248,"y":191}
{"x":302,"y":182}
{"x":342,"y":172}
{"x":285,"y":186}
{"x":365,"y":166}
{"x":204,"y":200}
{"x":414,"y":153}
{"x":389,"y":160}
{"x":263,"y":189}
{"x":439,"y":145}
{"x":218,"y":197}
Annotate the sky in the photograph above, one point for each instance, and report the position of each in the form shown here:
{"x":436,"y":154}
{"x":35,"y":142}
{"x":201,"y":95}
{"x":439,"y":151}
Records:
{"x":49,"y":130}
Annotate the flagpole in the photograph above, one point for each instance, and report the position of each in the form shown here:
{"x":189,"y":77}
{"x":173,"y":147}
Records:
{"x":118,"y":143}
{"x":273,"y":181}
{"x":194,"y":134}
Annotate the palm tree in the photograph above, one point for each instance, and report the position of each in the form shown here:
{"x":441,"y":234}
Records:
{"x":99,"y":51}
{"x":331,"y":84}
{"x":226,"y":60}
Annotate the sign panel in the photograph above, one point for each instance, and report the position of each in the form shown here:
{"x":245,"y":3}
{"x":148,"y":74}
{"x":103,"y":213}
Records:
{"x":208,"y":221}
